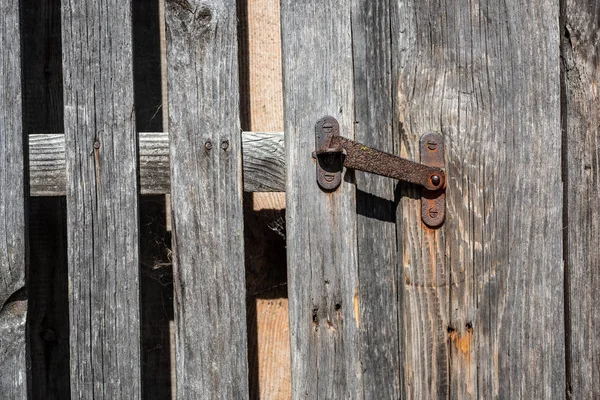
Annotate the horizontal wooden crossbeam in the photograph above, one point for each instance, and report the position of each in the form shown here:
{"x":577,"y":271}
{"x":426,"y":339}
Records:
{"x":263,"y":163}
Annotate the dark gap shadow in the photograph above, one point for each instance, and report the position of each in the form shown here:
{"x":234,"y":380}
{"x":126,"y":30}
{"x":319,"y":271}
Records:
{"x":47,"y":275}
{"x":244,"y":65}
{"x":156,"y":270}
{"x":42,"y":66}
{"x":156,"y":297}
{"x":266,"y":273}
{"x":48,"y":310}
{"x":147,"y":66}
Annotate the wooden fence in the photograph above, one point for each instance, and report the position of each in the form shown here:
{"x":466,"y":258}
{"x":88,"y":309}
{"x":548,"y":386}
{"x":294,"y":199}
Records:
{"x":497,"y":303}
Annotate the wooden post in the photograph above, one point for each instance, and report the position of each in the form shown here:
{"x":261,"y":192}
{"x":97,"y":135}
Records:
{"x":581,"y":121}
{"x":321,"y":227}
{"x":102,"y":200}
{"x":206,"y":197}
{"x":13,"y":256}
{"x":484,"y":294}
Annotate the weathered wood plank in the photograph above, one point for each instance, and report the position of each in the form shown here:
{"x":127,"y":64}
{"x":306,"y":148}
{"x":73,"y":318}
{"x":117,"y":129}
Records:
{"x":580,"y":30}
{"x":263,"y":163}
{"x":102,"y":200}
{"x":13,"y":257}
{"x":206,"y":176}
{"x":377,"y":300}
{"x":484,"y":294}
{"x":321,"y":227}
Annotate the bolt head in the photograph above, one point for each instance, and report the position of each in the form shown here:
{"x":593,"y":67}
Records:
{"x":436,"y":180}
{"x":432,"y":144}
{"x":433,"y":212}
{"x":208,"y":145}
{"x":225,"y":144}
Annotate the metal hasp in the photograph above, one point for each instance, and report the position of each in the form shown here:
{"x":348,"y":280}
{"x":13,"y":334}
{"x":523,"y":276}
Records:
{"x":333,"y":152}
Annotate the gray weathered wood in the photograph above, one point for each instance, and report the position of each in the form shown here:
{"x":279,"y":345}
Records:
{"x":380,"y":313}
{"x":13,"y":382}
{"x":13,"y":379}
{"x":484,"y":294}
{"x":581,"y":120}
{"x":206,"y":196}
{"x":321,"y":227}
{"x":263,"y":163}
{"x":102,"y":200}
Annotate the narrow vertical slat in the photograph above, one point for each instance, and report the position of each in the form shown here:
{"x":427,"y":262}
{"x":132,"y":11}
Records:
{"x":321,"y":227}
{"x":580,"y":57}
{"x":102,"y":200}
{"x":380,"y":312}
{"x":13,"y":312}
{"x":484,"y":294}
{"x":206,"y":196}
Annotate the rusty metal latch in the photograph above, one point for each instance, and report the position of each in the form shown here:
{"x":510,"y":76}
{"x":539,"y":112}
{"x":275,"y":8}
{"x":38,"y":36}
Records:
{"x":333,"y":152}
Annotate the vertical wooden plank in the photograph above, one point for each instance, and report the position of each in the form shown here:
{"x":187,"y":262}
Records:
{"x":377,"y":297}
{"x":206,"y":196}
{"x":484,"y":294}
{"x":321,"y":227}
{"x":102,"y":200}
{"x":13,"y":257}
{"x":581,"y":120}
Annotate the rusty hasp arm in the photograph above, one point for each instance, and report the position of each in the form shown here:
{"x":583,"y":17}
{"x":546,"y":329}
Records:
{"x":333,"y":151}
{"x":364,"y":158}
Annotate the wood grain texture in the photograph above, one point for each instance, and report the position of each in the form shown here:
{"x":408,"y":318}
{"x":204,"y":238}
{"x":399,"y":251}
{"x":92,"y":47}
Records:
{"x":263,"y":158}
{"x":13,"y":256}
{"x":484,"y":295}
{"x":206,"y":177}
{"x":264,"y":66}
{"x":581,"y":120}
{"x":102,"y":200}
{"x":13,"y":380}
{"x":376,"y":302}
{"x":321,"y":227}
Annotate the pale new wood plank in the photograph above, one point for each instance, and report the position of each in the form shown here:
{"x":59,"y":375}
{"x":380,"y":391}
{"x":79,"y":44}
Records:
{"x":13,"y":379}
{"x":102,"y":200}
{"x":483,"y":295}
{"x":321,"y":227}
{"x":263,"y":163}
{"x":206,"y":196}
{"x":581,"y":120}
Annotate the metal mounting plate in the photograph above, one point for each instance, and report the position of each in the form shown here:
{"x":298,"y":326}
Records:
{"x":329,"y":162}
{"x":433,"y":202}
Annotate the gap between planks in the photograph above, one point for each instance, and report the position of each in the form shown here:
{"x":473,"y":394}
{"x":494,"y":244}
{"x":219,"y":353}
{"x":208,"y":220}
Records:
{"x":263,"y":163}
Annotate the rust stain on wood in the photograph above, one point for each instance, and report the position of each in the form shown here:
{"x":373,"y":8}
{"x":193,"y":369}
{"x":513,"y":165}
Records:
{"x":356,"y":309}
{"x":463,"y":343}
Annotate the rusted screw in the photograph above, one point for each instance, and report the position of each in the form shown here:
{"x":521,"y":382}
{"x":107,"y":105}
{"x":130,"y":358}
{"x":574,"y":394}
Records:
{"x":433,"y":212}
{"x":435,"y":179}
{"x":432,"y":144}
{"x":225,"y":144}
{"x":327,"y":127}
{"x":208,"y":145}
{"x":96,"y":144}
